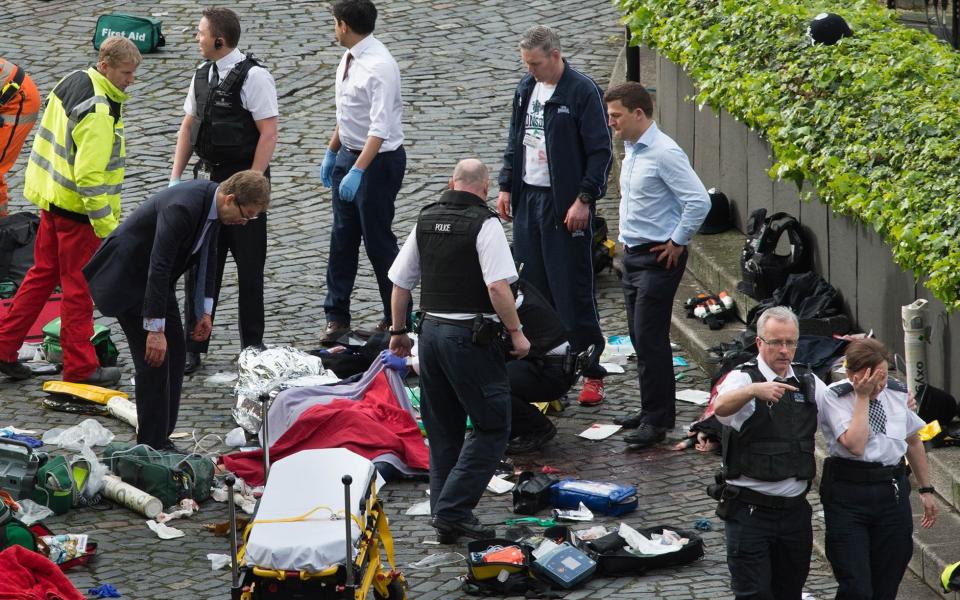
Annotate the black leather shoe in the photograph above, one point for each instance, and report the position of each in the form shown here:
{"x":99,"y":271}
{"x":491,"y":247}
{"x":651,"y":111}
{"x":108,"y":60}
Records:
{"x":104,"y":376}
{"x":630,"y":421}
{"x":532,"y":442}
{"x":449,"y":531}
{"x":16,"y":370}
{"x":646,"y":435}
{"x":192,"y":363}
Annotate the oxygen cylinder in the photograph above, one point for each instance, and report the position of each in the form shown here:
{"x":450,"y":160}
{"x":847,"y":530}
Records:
{"x":915,"y":338}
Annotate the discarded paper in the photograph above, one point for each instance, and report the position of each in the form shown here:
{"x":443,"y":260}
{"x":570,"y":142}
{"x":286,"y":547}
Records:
{"x":698,"y":397}
{"x":600,"y":431}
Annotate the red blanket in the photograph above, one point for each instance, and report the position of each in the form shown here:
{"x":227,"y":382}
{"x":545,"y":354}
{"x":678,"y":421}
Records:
{"x":371,"y":426}
{"x":27,"y":575}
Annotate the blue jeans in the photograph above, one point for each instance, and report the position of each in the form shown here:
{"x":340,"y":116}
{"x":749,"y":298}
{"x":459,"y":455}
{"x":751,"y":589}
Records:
{"x":459,"y":378}
{"x":560,"y":265}
{"x":368,"y":218}
{"x":869,"y":537}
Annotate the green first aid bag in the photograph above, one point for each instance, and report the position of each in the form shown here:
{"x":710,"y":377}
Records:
{"x":168,"y":476}
{"x":56,"y":488}
{"x":104,"y":346}
{"x":144,"y":32}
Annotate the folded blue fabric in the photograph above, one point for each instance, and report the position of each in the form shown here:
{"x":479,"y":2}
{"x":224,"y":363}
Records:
{"x":104,"y":591}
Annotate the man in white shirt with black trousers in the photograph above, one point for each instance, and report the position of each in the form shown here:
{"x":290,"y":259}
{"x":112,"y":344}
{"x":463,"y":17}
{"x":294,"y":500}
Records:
{"x":364,"y":163}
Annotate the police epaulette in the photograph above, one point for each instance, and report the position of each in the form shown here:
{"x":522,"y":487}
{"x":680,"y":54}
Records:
{"x":841,"y":388}
{"x":896,"y":385}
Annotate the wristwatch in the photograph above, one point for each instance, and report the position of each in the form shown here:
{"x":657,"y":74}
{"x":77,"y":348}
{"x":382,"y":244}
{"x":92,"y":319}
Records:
{"x":586,"y":198}
{"x":926,"y":490}
{"x":401,"y":331}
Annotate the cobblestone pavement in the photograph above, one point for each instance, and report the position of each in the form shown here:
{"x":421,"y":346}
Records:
{"x":459,"y":64}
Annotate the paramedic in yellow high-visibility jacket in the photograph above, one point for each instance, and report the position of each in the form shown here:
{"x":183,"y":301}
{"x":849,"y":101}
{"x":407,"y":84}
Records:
{"x":74,"y":175}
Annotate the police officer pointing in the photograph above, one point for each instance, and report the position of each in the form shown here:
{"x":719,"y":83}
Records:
{"x":769,"y":412}
{"x":459,"y":251}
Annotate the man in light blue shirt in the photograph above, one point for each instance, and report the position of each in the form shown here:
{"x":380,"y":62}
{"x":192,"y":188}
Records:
{"x":662,"y":204}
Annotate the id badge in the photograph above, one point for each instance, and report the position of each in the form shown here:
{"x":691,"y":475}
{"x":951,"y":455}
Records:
{"x":203,"y":173}
{"x":531,"y":141}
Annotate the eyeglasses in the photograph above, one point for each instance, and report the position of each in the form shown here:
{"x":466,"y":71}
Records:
{"x":244,"y":216}
{"x":788,"y":344}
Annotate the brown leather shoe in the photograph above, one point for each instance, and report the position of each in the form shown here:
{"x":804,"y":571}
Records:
{"x":334,"y":331}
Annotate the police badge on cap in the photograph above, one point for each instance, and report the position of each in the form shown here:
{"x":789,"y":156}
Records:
{"x":828,"y":28}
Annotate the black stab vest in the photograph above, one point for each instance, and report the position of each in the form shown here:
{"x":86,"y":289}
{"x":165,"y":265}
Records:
{"x":776,"y":442}
{"x":450,"y":278}
{"x":226,"y":133}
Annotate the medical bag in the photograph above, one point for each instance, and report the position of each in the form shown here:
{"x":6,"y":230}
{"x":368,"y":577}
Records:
{"x":144,"y":32}
{"x":168,"y":476}
{"x":608,"y":498}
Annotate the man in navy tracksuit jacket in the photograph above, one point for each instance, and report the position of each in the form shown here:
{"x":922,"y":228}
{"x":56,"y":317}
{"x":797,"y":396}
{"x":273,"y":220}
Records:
{"x":555,"y":168}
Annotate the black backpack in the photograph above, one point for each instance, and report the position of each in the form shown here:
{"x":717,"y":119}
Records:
{"x":17,"y":234}
{"x":762,"y":269}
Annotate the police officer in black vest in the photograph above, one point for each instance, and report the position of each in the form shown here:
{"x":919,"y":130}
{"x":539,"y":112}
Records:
{"x":543,"y":375}
{"x":459,"y":253}
{"x":769,"y":412}
{"x":231,"y":123}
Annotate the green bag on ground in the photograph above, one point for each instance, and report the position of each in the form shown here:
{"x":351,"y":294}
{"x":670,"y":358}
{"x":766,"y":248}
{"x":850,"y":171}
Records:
{"x":168,"y":476}
{"x":56,"y":488}
{"x":102,"y":343}
{"x":144,"y":32}
{"x":13,"y":532}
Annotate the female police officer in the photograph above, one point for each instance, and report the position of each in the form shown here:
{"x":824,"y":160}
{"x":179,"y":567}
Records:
{"x":864,"y":488}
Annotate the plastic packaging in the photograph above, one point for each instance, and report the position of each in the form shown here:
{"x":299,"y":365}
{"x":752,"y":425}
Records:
{"x":437,"y":560}
{"x":123,"y":409}
{"x":580,"y":514}
{"x":89,"y":432}
{"x":65,"y":547}
{"x":30,"y":512}
{"x":98,"y":471}
{"x":164,"y":532}
{"x":218,"y":561}
{"x":236,"y":438}
{"x":220,"y":378}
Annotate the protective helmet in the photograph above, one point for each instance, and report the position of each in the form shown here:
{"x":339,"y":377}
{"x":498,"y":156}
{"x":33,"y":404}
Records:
{"x":828,"y":28}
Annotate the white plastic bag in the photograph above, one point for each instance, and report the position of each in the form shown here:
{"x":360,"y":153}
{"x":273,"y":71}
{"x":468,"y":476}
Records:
{"x":30,"y":512}
{"x":89,"y":432}
{"x":97,"y":472}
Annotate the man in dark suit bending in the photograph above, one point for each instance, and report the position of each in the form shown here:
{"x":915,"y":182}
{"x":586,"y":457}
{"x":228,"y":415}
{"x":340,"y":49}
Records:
{"x":134,"y":274}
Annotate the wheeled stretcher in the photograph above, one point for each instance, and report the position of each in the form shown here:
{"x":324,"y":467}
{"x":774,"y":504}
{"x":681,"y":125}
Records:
{"x":304,"y":543}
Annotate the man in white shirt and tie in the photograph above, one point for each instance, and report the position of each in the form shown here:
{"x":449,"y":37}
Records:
{"x":364,"y":163}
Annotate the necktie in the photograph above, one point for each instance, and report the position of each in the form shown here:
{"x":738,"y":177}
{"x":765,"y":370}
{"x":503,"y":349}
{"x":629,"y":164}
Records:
{"x":200,"y":285}
{"x":215,"y":77}
{"x":346,"y":67}
{"x":877,"y":417}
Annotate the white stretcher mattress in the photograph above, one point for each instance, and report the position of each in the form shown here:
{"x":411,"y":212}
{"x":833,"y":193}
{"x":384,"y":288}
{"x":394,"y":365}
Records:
{"x":296,"y":485}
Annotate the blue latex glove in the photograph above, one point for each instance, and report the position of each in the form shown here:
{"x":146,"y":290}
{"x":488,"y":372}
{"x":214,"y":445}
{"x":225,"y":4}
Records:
{"x":326,"y":168}
{"x":391,"y":361}
{"x":350,"y":184}
{"x":173,"y":182}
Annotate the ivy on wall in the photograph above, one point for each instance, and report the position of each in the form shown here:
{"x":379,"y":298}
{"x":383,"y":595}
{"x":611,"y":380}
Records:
{"x":873,"y":123}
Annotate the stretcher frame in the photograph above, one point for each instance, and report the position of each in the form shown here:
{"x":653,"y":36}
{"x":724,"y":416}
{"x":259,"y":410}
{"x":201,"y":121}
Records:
{"x":351,"y":580}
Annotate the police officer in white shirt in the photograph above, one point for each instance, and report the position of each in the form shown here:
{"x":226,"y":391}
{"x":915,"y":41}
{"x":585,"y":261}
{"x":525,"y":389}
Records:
{"x":230,"y":120}
{"x":769,"y":412}
{"x":459,"y":254}
{"x":865,"y":488}
{"x":364,"y":163}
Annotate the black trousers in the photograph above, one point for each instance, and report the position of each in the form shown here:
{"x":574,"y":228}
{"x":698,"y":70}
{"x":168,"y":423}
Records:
{"x":560,"y":265}
{"x":157,"y":389}
{"x":648,"y":291}
{"x":459,"y":378}
{"x":530,"y":381}
{"x":869,"y":537}
{"x":248,"y":246}
{"x":768,"y":551}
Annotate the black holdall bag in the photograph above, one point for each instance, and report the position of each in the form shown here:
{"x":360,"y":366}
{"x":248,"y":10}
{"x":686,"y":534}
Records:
{"x":532,"y":492}
{"x":18,"y":232}
{"x":764,"y":270}
{"x":614,"y":560}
